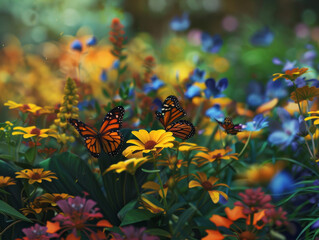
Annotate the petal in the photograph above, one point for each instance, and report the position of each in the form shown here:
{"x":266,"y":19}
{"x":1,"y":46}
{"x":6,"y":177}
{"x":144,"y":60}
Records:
{"x":235,"y":213}
{"x":194,"y":183}
{"x":151,"y":185}
{"x":136,"y":142}
{"x":214,"y":195}
{"x":104,"y":223}
{"x":53,"y":226}
{"x":213,"y":234}
{"x":142,"y":134}
{"x":220,"y":221}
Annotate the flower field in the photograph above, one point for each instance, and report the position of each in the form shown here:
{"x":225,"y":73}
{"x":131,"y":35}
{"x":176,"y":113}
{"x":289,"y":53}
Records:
{"x":111,"y":129}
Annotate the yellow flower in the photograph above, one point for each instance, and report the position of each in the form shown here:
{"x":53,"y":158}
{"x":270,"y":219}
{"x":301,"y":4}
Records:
{"x":147,"y":204}
{"x":6,"y":181}
{"x":53,"y":198}
{"x":36,"y":175}
{"x":155,"y":187}
{"x":316,"y":122}
{"x":153,"y":141}
{"x":208,"y":185}
{"x":186,"y":147}
{"x":33,"y":131}
{"x":130,"y":165}
{"x":216,"y":155}
{"x":290,"y":74}
{"x":171,"y":162}
{"x":23,"y":107}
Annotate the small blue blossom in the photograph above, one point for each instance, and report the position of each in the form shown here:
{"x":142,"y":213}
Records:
{"x":262,"y":38}
{"x":211,"y":44}
{"x":154,"y":85}
{"x":215,"y":112}
{"x":91,"y":41}
{"x":286,"y":66}
{"x":255,"y":94}
{"x":116,"y":64}
{"x":276,"y":89}
{"x":85,"y":104}
{"x":179,"y":24}
{"x":300,"y":82}
{"x":192,"y":91}
{"x":281,"y":184}
{"x":215,"y":89}
{"x":198,"y":75}
{"x":76,"y":45}
{"x":258,"y":123}
{"x":103,"y":75}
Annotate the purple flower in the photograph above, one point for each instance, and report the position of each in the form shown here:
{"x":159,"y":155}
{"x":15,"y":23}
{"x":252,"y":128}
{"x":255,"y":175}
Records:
{"x":91,"y":41}
{"x":258,"y":123}
{"x":38,"y":232}
{"x":262,"y":38}
{"x":276,"y":89}
{"x":198,"y":75}
{"x":76,"y":45}
{"x":133,"y":233}
{"x":211,"y":44}
{"x":179,"y":24}
{"x":214,"y":88}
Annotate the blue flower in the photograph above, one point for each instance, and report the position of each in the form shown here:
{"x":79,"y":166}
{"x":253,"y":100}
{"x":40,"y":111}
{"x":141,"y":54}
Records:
{"x":154,"y":85}
{"x":116,"y":64}
{"x":85,"y":104}
{"x":215,"y":89}
{"x":103,"y":75}
{"x":302,"y":127}
{"x":215,"y":113}
{"x":286,"y":66}
{"x":262,"y":38}
{"x":76,"y":45}
{"x":91,"y":41}
{"x":281,"y":184}
{"x":180,"y":23}
{"x":192,"y":91}
{"x":258,"y":123}
{"x":198,"y":75}
{"x":300,"y":82}
{"x":276,"y":89}
{"x":255,"y":94}
{"x":211,"y":44}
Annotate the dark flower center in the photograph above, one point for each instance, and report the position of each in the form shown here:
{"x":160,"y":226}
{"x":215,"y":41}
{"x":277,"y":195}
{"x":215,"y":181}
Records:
{"x":25,"y":107}
{"x":246,"y":235}
{"x":207,"y":185}
{"x":217,"y":156}
{"x":36,"y":176}
{"x":36,"y":131}
{"x":150,"y":144}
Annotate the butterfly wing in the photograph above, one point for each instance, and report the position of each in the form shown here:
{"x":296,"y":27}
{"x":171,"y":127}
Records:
{"x":89,"y":135}
{"x":229,"y":126}
{"x":171,"y":111}
{"x":182,"y":129}
{"x":110,"y":137}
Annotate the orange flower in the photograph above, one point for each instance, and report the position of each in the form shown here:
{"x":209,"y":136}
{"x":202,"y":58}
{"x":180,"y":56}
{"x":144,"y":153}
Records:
{"x":208,"y":185}
{"x":33,"y":131}
{"x":290,"y":74}
{"x":216,"y":155}
{"x":54,"y":197}
{"x":6,"y":181}
{"x":36,"y":175}
{"x":304,"y":93}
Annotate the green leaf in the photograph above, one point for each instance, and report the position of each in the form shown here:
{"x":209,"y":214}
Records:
{"x":10,"y":211}
{"x":158,"y":232}
{"x":30,"y":154}
{"x":136,"y":215}
{"x":4,"y":192}
{"x":121,"y":214}
{"x":6,"y":157}
{"x":98,"y":108}
{"x":150,"y":171}
{"x":105,"y":93}
{"x":183,"y":219}
{"x":122,"y":70}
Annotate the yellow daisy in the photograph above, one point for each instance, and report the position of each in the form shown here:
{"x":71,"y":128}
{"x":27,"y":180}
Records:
{"x":33,"y":131}
{"x":208,"y":185}
{"x":53,"y":198}
{"x":216,"y":155}
{"x":6,"y":181}
{"x":147,"y":204}
{"x":153,"y":141}
{"x":23,"y":107}
{"x":130,"y":165}
{"x":36,"y":175}
{"x":290,"y":74}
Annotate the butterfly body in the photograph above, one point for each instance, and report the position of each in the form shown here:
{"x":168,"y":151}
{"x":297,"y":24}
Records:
{"x":170,"y":117}
{"x":229,"y":126}
{"x":108,"y":138}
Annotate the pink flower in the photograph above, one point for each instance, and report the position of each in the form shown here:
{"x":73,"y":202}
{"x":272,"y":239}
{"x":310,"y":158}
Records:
{"x":133,"y":234}
{"x":254,"y":200}
{"x":275,"y":217}
{"x":37,"y":232}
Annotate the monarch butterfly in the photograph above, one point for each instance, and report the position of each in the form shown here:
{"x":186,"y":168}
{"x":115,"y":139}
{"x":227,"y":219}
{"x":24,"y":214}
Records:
{"x":229,"y":126}
{"x":107,"y":138}
{"x":171,"y":113}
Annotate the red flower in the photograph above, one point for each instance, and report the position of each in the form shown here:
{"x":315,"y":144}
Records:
{"x":117,"y":37}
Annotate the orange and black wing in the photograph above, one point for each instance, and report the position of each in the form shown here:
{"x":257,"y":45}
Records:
{"x":171,"y":111}
{"x":110,"y":137}
{"x":182,"y":129}
{"x":229,"y":126}
{"x":89,"y":135}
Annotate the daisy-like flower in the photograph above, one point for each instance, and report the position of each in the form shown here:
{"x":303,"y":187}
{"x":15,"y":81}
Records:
{"x":217,"y":155}
{"x":304,"y":93}
{"x":187,"y":147}
{"x":316,"y":122}
{"x":153,"y":208}
{"x":208,"y":185}
{"x":153,"y":141}
{"x":130,"y":165}
{"x":171,"y":162}
{"x":290,"y":74}
{"x":6,"y":181}
{"x":23,"y":107}
{"x":36,"y":175}
{"x":75,"y":216}
{"x":33,"y":131}
{"x":54,"y":198}
{"x":37,"y":232}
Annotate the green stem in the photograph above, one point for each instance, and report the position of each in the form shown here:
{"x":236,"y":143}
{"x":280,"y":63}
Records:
{"x":211,"y":138}
{"x":246,"y":144}
{"x":18,"y":149}
{"x":124,"y":185}
{"x":161,"y":185}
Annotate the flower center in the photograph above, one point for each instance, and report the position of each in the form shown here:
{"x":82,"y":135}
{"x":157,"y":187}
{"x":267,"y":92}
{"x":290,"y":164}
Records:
{"x":207,"y":185}
{"x":217,"y":156}
{"x":246,"y":235}
{"x":150,"y":144}
{"x":36,"y":176}
{"x":36,"y":131}
{"x":25,"y":107}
